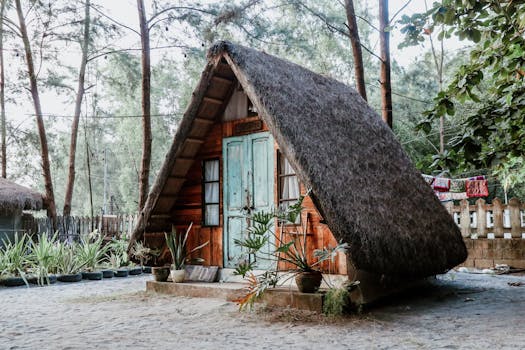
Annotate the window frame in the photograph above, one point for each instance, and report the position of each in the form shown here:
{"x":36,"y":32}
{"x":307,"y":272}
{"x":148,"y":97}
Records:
{"x":203,"y":196}
{"x":280,"y":156}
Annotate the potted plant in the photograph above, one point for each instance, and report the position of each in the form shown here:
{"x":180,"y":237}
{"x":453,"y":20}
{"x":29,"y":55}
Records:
{"x":118,"y":256}
{"x":14,"y":261}
{"x":91,"y":252}
{"x":160,"y":273}
{"x":176,"y":243}
{"x":69,"y":265}
{"x":260,"y":235}
{"x":44,"y":255}
{"x":144,"y":254}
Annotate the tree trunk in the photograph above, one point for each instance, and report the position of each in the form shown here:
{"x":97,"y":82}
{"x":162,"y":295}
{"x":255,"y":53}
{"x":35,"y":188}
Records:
{"x":78,"y":107}
{"x":386,"y":87}
{"x":2,"y":92}
{"x":146,"y":107}
{"x":50,"y":196}
{"x":356,"y":48}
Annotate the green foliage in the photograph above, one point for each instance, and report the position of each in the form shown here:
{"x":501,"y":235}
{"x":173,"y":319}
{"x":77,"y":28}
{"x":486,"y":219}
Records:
{"x":492,"y":80}
{"x":44,"y":256}
{"x":68,"y":262}
{"x":15,"y":256}
{"x":176,"y":243}
{"x":118,"y":251}
{"x":91,"y":251}
{"x":259,"y":235}
{"x":336,"y":301}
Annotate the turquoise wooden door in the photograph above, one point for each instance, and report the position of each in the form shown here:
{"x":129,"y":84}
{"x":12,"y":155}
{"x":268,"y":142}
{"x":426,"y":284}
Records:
{"x":248,"y":187}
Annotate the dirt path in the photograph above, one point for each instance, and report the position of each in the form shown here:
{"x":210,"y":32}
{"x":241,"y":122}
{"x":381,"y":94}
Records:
{"x":458,"y":311}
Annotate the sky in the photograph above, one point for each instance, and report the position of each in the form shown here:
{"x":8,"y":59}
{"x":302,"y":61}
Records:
{"x":124,"y":11}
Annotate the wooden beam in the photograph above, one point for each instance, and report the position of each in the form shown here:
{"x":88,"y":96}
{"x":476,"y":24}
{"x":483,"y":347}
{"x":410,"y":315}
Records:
{"x":212,"y":100}
{"x":222,"y":80}
{"x":204,"y":121}
{"x":182,"y":159}
{"x":160,"y":216}
{"x":194,"y":140}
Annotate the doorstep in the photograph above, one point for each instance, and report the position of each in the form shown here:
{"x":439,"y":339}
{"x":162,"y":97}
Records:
{"x":231,"y":291}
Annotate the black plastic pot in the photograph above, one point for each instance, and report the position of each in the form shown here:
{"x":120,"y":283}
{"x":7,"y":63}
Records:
{"x":135,"y":271}
{"x":70,"y":277}
{"x":92,"y":275}
{"x":146,"y":269}
{"x":51,"y":278}
{"x":108,"y":273}
{"x":122,"y":273}
{"x":13,"y":281}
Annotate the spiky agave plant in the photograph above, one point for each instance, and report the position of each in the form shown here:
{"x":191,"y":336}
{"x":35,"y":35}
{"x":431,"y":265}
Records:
{"x":176,"y":243}
{"x":68,"y":263}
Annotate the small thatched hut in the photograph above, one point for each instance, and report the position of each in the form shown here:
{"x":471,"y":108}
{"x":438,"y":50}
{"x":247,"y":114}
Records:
{"x":254,"y":123}
{"x":13,"y":200}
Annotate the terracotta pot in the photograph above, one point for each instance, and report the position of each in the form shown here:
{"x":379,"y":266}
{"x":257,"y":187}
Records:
{"x":160,"y":273}
{"x":177,"y":276}
{"x":309,"y":282}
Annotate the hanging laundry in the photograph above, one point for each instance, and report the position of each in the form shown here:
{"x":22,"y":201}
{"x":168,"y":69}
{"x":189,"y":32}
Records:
{"x":477,"y":188}
{"x":441,"y":184}
{"x":457,"y":196}
{"x":429,"y":179}
{"x":443,"y":196}
{"x":457,"y":185}
{"x":479,"y":177}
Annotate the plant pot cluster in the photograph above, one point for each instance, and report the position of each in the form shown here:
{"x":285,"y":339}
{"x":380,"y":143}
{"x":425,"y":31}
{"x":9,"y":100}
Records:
{"x":44,"y":260}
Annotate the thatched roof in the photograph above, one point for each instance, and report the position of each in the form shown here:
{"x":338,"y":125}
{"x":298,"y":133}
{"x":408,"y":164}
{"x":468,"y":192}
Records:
{"x":14,"y":196}
{"x":363,"y":183}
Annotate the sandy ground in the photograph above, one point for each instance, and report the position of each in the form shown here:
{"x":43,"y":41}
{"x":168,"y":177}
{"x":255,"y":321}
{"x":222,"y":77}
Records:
{"x":457,"y":311}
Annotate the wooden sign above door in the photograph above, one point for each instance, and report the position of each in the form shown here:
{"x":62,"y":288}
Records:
{"x":248,"y":127}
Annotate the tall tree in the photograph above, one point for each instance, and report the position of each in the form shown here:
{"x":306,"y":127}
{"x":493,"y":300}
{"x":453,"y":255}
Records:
{"x":384,"y":43}
{"x":356,"y":48}
{"x":76,"y":117}
{"x":2,"y":90}
{"x":48,"y":181}
{"x":146,"y":106}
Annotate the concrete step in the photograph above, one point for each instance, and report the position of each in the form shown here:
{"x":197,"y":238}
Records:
{"x":231,"y":291}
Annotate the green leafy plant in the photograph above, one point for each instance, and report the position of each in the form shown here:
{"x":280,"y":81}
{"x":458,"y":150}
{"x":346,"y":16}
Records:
{"x":119,"y":248}
{"x":15,"y":257}
{"x":91,"y":251}
{"x":260,"y":235}
{"x":68,"y":262}
{"x":176,"y":243}
{"x":143,"y":253}
{"x":44,"y":255}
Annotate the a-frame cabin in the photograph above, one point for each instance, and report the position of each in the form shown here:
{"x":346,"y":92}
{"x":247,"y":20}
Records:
{"x":260,"y":130}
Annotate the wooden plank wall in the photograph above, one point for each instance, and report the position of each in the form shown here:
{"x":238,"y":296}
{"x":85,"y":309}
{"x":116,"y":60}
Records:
{"x":188,"y":207}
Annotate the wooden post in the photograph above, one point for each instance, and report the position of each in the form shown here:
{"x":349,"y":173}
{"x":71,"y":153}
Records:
{"x":481,"y":227}
{"x":515,"y":218}
{"x":464,"y":218}
{"x":497,"y":214}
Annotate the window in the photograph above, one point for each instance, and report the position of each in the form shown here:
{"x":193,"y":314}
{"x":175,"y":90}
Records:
{"x":211,"y":192}
{"x":288,"y":183}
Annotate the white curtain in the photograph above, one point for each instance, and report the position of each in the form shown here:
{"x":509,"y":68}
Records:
{"x":290,"y":185}
{"x":211,"y":170}
{"x":211,"y":192}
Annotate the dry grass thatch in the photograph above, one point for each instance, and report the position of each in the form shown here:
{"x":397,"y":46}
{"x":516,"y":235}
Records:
{"x":369,"y":192}
{"x":14,"y":197}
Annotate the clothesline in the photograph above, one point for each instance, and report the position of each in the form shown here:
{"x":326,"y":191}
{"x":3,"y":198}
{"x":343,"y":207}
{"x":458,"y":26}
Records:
{"x":447,"y":189}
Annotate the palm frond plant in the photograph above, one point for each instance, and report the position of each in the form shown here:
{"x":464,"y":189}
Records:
{"x":44,"y":255}
{"x":261,"y":242}
{"x":15,"y":257}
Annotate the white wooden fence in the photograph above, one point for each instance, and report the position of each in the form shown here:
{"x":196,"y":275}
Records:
{"x":496,"y":220}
